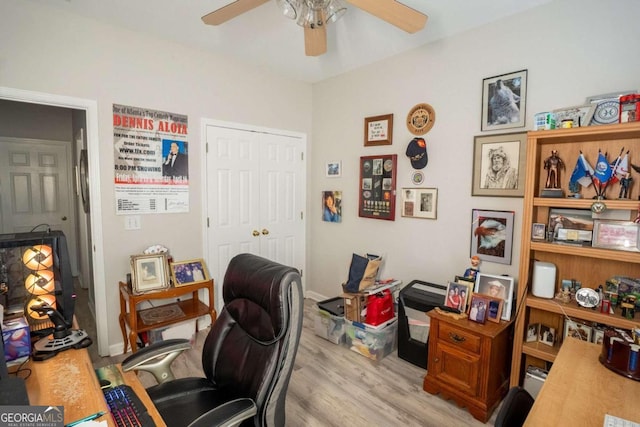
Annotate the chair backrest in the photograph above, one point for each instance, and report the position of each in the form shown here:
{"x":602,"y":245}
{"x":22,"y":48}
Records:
{"x":251,"y":348}
{"x":515,"y":408}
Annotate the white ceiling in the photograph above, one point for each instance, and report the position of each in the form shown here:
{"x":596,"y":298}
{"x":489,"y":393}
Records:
{"x":266,"y":39}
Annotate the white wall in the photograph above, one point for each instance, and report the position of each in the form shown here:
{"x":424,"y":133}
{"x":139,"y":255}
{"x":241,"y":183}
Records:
{"x":48,"y":51}
{"x":571,"y":48}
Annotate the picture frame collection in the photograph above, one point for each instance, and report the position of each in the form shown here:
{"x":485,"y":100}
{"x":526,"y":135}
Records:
{"x":548,"y":335}
{"x":154,"y":273}
{"x":488,"y":298}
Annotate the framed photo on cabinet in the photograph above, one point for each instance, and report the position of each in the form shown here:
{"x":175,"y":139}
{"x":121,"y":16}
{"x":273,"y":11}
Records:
{"x":378,"y":187}
{"x":493,"y":286}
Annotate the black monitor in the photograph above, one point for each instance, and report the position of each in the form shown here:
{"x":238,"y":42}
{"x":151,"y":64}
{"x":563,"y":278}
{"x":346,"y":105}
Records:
{"x":16,"y":249}
{"x":12,"y":388}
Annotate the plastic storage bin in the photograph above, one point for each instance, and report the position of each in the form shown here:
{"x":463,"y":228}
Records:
{"x":374,"y":342}
{"x":329,"y":320}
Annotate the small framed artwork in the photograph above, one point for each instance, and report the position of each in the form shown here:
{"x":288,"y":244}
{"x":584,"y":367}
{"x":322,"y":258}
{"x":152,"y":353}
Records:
{"x":457,"y":296}
{"x":332,"y":206}
{"x":533,"y":332}
{"x":378,"y":187}
{"x":619,"y":235}
{"x":504,"y":101}
{"x":492,"y":235}
{"x":420,"y":202}
{"x":497,"y":287}
{"x":478,"y":308}
{"x":189,"y":272}
{"x":538,"y":231}
{"x":498,"y":165}
{"x":378,"y":130}
{"x":333,"y":169}
{"x":580,"y":115}
{"x":494,"y":309}
{"x":577,"y":330}
{"x":547,"y":335}
{"x":149,"y":273}
{"x":598,"y":335}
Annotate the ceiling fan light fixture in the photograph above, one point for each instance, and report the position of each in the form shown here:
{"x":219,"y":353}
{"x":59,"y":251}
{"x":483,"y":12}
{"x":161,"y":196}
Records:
{"x":289,"y":8}
{"x":334,"y":11}
{"x":310,"y":17}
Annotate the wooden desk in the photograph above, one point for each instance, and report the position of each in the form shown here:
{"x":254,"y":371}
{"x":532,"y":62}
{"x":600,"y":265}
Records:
{"x":192,"y":308}
{"x":579,"y":390}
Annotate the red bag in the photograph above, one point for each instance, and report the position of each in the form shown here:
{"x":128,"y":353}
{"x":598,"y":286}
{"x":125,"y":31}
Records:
{"x":379,"y":308}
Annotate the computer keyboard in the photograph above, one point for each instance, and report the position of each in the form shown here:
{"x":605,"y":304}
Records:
{"x":126,"y":407}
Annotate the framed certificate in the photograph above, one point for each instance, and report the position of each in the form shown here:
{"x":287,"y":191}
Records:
{"x":620,"y":235}
{"x":378,"y":130}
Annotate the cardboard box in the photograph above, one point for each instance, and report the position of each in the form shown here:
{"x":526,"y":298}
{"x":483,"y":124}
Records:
{"x":355,"y":306}
{"x":329,"y":327}
{"x":17,"y":339}
{"x":374,"y":342}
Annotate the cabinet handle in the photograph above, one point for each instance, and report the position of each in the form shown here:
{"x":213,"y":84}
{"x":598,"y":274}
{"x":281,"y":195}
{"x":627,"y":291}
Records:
{"x":255,"y":233}
{"x":456,"y":338}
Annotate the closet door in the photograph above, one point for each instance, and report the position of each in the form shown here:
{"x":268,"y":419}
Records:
{"x":255,"y":197}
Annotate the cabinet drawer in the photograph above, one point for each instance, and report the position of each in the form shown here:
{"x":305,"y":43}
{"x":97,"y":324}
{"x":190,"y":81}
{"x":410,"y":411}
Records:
{"x":459,"y":338}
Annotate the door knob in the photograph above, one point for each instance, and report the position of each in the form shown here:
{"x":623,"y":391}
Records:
{"x":255,"y":233}
{"x":64,"y":218}
{"x":265,"y":231}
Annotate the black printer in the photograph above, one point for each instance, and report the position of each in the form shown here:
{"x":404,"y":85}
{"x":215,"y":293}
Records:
{"x":421,"y":296}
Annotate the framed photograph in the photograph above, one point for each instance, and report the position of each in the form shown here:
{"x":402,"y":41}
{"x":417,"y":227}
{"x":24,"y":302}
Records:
{"x":494,"y":309}
{"x":149,"y":273}
{"x":581,"y":115}
{"x":497,"y":287}
{"x":457,"y":296}
{"x":577,"y":330}
{"x":420,"y":202}
{"x":466,"y":281}
{"x":538,"y":231}
{"x":607,"y":107}
{"x":571,"y":224}
{"x":332,"y":206}
{"x":478,"y":308}
{"x":504,"y":100}
{"x":499,"y":165}
{"x":492,"y":235}
{"x":333,"y":169}
{"x":547,"y":335}
{"x":598,"y":335}
{"x":189,"y":272}
{"x":619,"y":235}
{"x":533,"y":332}
{"x":378,"y":187}
{"x":378,"y":130}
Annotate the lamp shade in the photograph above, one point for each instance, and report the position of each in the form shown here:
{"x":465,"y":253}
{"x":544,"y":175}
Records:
{"x":38,"y":257}
{"x":40,"y":283}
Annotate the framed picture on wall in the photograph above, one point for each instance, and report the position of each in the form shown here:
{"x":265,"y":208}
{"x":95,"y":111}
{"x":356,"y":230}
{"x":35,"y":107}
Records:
{"x":492,"y":235}
{"x":504,"y":101}
{"x":420,"y":202}
{"x":499,"y":165}
{"x":378,"y":187}
{"x":378,"y":130}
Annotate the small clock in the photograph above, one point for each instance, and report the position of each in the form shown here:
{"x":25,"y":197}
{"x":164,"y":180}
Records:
{"x":587,"y":297}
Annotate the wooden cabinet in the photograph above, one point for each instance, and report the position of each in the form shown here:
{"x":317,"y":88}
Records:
{"x":469,"y":362}
{"x":132,"y":318}
{"x":589,"y":265}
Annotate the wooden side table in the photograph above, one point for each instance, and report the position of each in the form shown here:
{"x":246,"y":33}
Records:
{"x":469,"y":362}
{"x":131,"y":317}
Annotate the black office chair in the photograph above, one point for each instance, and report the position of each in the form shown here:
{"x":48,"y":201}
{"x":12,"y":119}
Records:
{"x":515,"y":408}
{"x":247,"y":356}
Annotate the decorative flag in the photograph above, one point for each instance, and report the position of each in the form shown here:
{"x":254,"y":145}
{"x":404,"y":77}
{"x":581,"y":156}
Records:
{"x":602,"y":172}
{"x":620,"y":168}
{"x":582,"y":173}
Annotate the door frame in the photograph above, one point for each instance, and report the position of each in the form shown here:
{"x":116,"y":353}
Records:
{"x":91,"y":109}
{"x":204,"y":122}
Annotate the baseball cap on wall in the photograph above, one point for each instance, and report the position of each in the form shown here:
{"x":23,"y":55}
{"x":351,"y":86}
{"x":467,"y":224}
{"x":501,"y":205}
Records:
{"x":417,"y":153}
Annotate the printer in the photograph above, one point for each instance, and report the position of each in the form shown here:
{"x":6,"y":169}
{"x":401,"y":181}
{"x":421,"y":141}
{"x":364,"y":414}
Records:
{"x":414,"y":301}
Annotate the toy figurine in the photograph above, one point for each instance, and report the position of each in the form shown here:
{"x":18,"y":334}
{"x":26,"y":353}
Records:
{"x":553,"y":164}
{"x":471,"y":272}
{"x":625,"y":183}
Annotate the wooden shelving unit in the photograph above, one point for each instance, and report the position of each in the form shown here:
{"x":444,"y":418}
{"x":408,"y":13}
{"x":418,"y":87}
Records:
{"x":591,"y":266}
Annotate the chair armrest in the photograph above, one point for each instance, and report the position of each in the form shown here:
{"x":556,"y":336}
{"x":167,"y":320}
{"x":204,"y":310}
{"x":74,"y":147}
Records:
{"x":230,"y":414}
{"x":157,"y":358}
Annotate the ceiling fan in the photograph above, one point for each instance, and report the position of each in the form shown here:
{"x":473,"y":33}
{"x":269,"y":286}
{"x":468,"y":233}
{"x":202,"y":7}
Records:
{"x":314,"y":15}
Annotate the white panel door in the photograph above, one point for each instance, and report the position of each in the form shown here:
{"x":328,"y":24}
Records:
{"x":255,"y":198}
{"x":36,"y":188}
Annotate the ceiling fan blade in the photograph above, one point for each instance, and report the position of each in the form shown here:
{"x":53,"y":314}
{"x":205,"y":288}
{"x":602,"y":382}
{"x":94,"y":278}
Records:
{"x":230,"y":11}
{"x":315,"y":41}
{"x":395,"y":13}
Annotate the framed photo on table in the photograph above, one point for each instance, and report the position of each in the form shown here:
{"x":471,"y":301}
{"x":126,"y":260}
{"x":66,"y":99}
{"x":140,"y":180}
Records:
{"x":478,"y":308}
{"x":190,"y":272}
{"x":378,"y":130}
{"x":492,"y":235}
{"x":494,"y":309}
{"x":378,"y":187}
{"x":420,"y":202}
{"x":504,"y":100}
{"x":458,"y":296}
{"x":149,"y":273}
{"x":499,"y":163}
{"x":494,"y":286}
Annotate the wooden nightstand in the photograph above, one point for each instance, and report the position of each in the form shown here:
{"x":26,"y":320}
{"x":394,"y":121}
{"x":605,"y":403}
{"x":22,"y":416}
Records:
{"x":469,"y":362}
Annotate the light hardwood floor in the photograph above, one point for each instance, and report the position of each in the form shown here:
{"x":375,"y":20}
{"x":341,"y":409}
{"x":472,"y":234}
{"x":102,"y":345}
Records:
{"x":334,"y":386}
